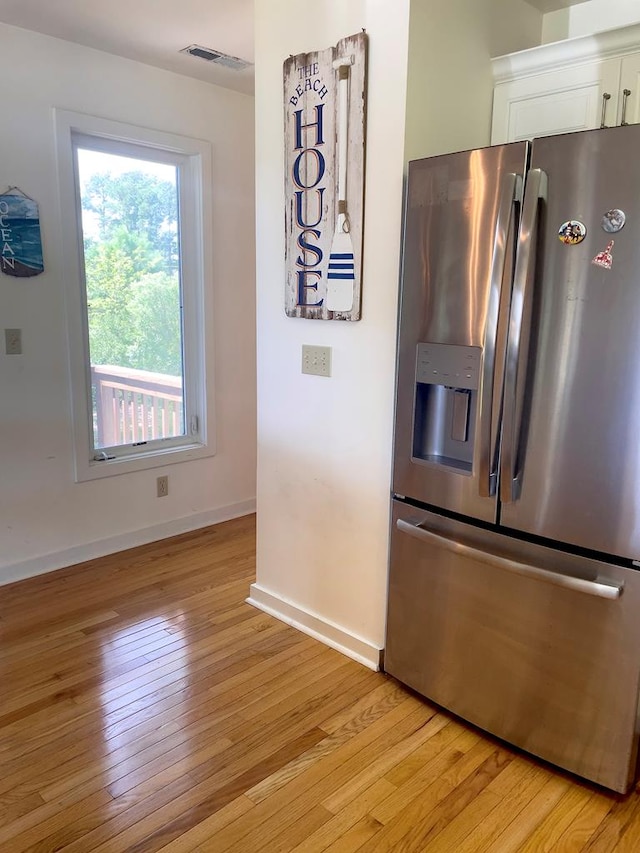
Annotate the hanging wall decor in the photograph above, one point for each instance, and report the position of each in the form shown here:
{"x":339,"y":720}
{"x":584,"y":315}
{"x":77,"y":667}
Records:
{"x":20,"y":241}
{"x":324,"y":127}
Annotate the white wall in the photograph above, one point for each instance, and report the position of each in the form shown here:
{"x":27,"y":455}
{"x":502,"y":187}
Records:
{"x":592,"y":17}
{"x":450,"y":84}
{"x":324,"y":445}
{"x":47,"y":520}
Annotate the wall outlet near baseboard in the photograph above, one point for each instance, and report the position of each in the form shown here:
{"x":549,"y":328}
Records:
{"x":162,"y":486}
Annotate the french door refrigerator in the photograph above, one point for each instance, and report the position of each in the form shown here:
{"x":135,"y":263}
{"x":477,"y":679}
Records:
{"x":514,"y":598}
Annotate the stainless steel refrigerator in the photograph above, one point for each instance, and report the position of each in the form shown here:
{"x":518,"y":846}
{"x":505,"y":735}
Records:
{"x":514,"y":597}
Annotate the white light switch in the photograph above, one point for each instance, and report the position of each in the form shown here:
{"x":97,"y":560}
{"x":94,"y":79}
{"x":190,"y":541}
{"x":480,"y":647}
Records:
{"x":316,"y":360}
{"x":13,"y":341}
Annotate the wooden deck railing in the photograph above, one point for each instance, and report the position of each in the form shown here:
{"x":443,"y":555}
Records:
{"x":135,"y":405}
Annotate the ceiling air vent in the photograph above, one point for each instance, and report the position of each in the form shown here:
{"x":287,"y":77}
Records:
{"x":210,"y":55}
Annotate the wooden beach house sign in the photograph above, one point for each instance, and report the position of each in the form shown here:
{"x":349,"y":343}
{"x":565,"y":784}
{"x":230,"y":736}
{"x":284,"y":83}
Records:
{"x":324,"y":126}
{"x":20,"y":241}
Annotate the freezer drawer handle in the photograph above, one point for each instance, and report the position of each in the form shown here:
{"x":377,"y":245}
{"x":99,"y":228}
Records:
{"x":600,"y":588}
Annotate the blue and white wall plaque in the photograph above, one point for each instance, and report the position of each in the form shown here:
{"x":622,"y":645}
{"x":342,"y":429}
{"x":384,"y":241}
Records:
{"x":324,"y":126}
{"x":20,"y":241}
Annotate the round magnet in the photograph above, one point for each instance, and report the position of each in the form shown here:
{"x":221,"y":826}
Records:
{"x":613,"y":221}
{"x":571,"y":232}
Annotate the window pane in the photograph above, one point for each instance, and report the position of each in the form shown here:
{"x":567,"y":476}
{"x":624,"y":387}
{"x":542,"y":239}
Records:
{"x":132,"y":272}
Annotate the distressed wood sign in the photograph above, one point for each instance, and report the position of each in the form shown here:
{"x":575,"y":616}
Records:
{"x":20,"y":241}
{"x":324,"y":126}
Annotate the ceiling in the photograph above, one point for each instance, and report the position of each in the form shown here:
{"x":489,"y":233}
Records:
{"x":151,"y":31}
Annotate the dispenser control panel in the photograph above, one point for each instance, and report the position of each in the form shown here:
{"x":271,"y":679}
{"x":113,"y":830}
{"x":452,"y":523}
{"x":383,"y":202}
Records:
{"x":446,"y":364}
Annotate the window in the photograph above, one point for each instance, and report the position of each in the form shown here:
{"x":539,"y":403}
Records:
{"x":134,"y":213}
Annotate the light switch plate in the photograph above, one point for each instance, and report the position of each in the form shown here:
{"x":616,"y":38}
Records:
{"x":316,"y":360}
{"x":13,"y":341}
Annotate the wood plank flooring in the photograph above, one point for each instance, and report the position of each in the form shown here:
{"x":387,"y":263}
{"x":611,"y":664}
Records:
{"x":145,"y":707}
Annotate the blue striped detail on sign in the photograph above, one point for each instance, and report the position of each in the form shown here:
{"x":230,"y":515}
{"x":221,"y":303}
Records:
{"x":347,"y":268}
{"x":348,"y":271}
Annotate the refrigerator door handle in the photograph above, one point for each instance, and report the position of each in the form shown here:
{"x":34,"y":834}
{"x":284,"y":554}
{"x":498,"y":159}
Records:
{"x":511,"y":192}
{"x":599,"y":587}
{"x":535,"y":190}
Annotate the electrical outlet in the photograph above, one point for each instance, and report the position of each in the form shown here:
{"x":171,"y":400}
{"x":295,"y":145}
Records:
{"x":316,"y":360}
{"x":162,"y":486}
{"x":13,"y":341}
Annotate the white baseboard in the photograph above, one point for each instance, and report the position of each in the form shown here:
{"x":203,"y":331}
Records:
{"x":316,"y":626}
{"x":113,"y":544}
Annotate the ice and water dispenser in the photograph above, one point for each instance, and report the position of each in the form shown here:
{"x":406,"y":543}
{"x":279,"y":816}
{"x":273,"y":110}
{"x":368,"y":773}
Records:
{"x":446,"y":400}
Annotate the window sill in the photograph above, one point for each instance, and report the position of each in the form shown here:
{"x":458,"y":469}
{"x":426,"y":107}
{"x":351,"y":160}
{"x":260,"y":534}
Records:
{"x":141,"y":461}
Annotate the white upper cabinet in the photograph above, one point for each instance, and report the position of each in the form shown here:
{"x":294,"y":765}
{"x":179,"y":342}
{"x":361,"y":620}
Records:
{"x":557,"y":102}
{"x":578,"y":84}
{"x":629,"y":112}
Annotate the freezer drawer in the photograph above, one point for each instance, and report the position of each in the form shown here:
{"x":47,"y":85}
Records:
{"x":538,"y":647}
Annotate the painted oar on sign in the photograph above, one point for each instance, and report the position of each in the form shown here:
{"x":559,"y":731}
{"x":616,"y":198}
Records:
{"x":341,"y":272}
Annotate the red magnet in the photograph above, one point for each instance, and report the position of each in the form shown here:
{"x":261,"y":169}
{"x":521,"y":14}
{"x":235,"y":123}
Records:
{"x":604,"y":259}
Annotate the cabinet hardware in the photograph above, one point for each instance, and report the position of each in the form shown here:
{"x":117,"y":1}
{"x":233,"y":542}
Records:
{"x":625,"y":96}
{"x":605,"y":97}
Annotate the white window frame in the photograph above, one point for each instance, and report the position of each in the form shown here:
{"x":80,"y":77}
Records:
{"x":193,"y":159}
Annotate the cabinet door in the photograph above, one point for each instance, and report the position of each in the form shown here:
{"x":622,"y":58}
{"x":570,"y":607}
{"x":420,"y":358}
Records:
{"x":560,"y":101}
{"x":630,"y":80}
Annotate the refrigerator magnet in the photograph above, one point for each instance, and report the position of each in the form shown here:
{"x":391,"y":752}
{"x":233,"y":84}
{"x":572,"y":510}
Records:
{"x":571,"y":232}
{"x":613,"y":221}
{"x":604,"y":259}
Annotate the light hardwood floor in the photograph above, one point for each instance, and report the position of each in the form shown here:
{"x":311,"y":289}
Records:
{"x":144,"y":706}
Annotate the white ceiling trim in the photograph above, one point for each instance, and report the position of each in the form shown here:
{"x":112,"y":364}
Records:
{"x":553,"y":5}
